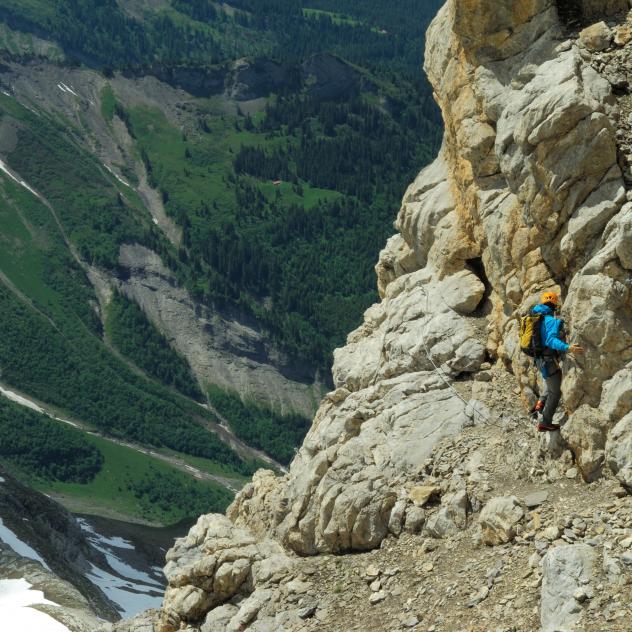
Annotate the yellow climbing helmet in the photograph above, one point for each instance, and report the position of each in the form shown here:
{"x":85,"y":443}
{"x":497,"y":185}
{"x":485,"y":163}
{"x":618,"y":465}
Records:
{"x":551,"y":297}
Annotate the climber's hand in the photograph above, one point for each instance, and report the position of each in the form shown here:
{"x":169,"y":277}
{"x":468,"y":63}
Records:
{"x":576,"y":349}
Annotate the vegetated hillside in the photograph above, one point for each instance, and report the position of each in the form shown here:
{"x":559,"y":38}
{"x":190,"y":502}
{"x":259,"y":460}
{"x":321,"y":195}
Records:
{"x":279,"y":168}
{"x":90,"y":471}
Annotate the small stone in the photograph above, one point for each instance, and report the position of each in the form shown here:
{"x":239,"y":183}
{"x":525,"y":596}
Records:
{"x":297,"y":587}
{"x":580,"y":595}
{"x":618,"y":82}
{"x":410,"y":623}
{"x":427,"y":567}
{"x":551,"y":533}
{"x":377,"y":597}
{"x":535,"y":499}
{"x":622,"y":35}
{"x":626,"y":543}
{"x":483,"y":376}
{"x":307,"y":613}
{"x":564,"y":46}
{"x":478,"y":597}
{"x":534,"y":560}
{"x":376,"y":585}
{"x":372,"y":571}
{"x":429,"y":545}
{"x":571,"y":472}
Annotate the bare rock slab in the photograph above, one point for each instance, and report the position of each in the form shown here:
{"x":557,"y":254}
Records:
{"x":567,"y":571}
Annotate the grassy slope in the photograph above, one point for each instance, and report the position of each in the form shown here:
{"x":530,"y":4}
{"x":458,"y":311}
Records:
{"x":100,"y":475}
{"x":111,"y":488}
{"x":77,"y":373}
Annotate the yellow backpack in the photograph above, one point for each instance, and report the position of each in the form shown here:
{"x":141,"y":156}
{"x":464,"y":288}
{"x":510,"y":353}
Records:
{"x":531,"y":335}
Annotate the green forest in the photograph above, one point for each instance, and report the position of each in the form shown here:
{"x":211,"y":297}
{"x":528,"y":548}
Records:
{"x":51,"y":342}
{"x":277,"y":435}
{"x":139,"y":340}
{"x":283,"y":204}
{"x":53,"y":456}
{"x":46,"y":448}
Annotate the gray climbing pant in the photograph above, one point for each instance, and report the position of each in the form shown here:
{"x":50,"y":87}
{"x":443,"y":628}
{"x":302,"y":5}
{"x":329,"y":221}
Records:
{"x":551,"y":396}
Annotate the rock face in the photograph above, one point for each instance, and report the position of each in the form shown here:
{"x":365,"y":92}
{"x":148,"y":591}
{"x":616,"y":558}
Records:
{"x":526,"y":195}
{"x":221,"y":350}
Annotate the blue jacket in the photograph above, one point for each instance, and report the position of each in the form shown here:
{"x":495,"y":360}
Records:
{"x":551,"y":335}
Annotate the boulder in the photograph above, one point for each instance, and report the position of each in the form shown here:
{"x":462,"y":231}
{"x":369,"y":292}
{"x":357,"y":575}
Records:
{"x":619,"y":451}
{"x":415,"y":518}
{"x":422,"y":494}
{"x":499,"y":520}
{"x":451,"y":517}
{"x":212,"y":564}
{"x":585,"y":433}
{"x":565,"y":571}
{"x":596,"y":37}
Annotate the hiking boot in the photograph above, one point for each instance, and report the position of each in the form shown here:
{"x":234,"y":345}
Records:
{"x":538,"y":408}
{"x":543,"y":426}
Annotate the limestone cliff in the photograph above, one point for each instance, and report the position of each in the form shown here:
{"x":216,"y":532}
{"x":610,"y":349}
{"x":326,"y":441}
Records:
{"x":527,"y":194}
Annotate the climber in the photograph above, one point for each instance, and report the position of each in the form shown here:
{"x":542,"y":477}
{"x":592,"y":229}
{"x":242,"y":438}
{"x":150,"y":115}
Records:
{"x":552,"y":337}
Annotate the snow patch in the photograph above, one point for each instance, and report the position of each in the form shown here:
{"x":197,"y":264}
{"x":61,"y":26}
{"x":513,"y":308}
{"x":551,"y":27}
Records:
{"x":133,"y":590}
{"x":98,"y":540}
{"x":15,"y":598}
{"x":19,"y":546}
{"x":6,"y":170}
{"x":130,"y":597}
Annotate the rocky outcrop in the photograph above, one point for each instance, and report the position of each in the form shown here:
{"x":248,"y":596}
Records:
{"x":221,"y":350}
{"x":566,"y":575}
{"x":526,"y":195}
{"x":215,"y":562}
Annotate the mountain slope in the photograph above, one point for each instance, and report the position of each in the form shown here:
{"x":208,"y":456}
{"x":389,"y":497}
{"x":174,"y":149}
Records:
{"x":149,"y":176}
{"x":424,"y":438}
